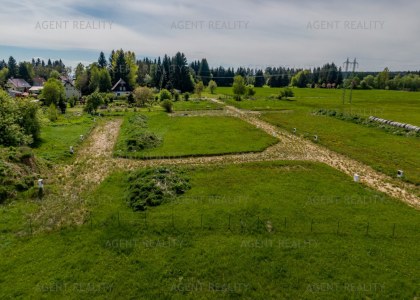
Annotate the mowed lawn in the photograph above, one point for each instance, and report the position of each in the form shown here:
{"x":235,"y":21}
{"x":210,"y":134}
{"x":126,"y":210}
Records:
{"x":382,"y":150}
{"x":196,"y":136}
{"x":274,"y":230}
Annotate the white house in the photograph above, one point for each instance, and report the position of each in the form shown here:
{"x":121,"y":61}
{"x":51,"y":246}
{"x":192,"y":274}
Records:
{"x":69,"y":88}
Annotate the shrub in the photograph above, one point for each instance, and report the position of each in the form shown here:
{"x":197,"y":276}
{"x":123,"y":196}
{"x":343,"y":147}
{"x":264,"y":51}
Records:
{"x":52,"y":113}
{"x":19,"y":121}
{"x":130,"y":99}
{"x":72,"y":101}
{"x":176,"y":96}
{"x":239,"y":87}
{"x":165,"y":95}
{"x":152,"y":187}
{"x":250,"y":91}
{"x":93,"y":101}
{"x":212,"y":86}
{"x":167,"y":105}
{"x":187,"y":96}
{"x":286,"y":93}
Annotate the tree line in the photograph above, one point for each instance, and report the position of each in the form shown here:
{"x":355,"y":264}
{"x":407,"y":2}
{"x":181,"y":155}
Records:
{"x":175,"y":73}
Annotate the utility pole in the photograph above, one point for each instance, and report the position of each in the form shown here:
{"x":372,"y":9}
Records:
{"x":354,"y":63}
{"x":346,"y":65}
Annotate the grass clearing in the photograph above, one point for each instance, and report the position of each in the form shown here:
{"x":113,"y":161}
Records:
{"x":195,"y":104}
{"x":177,"y":257}
{"x":383,"y":151}
{"x":373,"y":146}
{"x":195,"y":136}
{"x":57,"y":137}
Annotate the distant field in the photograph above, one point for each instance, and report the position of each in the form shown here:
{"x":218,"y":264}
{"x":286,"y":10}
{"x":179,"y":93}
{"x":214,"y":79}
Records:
{"x":185,"y":249}
{"x":394,"y":105}
{"x":196,"y":105}
{"x":382,"y":150}
{"x":196,"y":136}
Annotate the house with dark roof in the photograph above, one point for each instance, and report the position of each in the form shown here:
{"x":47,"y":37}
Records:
{"x":18,"y":85}
{"x":121,"y":88}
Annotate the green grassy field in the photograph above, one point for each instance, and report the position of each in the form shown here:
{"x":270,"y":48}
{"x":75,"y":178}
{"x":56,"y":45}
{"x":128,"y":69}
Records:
{"x":196,"y":136}
{"x":185,"y":249}
{"x":392,"y":105}
{"x":196,"y":105}
{"x":57,"y":137}
{"x":376,"y":147}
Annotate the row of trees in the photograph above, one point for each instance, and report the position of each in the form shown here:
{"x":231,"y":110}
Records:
{"x":30,"y":70}
{"x":385,"y":80}
{"x":174,"y":73}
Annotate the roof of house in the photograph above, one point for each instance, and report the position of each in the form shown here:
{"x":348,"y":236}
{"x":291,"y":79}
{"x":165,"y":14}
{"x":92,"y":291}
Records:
{"x":64,"y":78}
{"x":38,"y":81}
{"x":121,"y":81}
{"x":19,"y":83}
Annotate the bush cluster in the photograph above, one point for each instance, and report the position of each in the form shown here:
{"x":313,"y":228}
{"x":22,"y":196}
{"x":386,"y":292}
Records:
{"x":154,"y":186}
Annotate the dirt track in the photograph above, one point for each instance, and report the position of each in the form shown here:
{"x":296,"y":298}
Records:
{"x":94,"y":163}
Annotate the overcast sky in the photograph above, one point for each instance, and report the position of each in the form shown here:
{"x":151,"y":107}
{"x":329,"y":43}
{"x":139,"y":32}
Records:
{"x":250,"y":33}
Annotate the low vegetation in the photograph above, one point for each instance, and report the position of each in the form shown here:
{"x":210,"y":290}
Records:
{"x":152,"y":187}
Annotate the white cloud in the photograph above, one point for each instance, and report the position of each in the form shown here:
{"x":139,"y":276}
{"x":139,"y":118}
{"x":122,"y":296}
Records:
{"x":276,"y":33}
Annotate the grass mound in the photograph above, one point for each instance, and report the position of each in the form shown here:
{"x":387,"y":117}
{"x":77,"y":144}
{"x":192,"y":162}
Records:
{"x":137,"y":137}
{"x":17,"y":171}
{"x":143,"y":141}
{"x":151,"y":187}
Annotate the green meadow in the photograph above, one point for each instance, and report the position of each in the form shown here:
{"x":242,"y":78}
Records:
{"x":297,"y":231}
{"x":383,"y":150}
{"x":195,"y":136}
